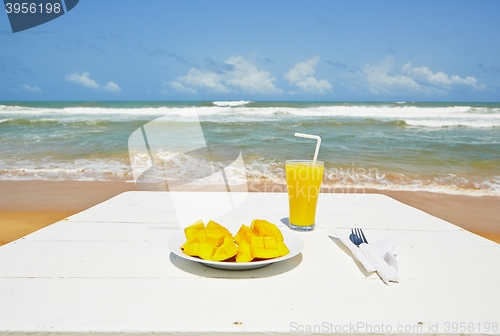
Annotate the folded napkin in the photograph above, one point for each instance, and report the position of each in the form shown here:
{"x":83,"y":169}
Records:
{"x":379,"y":256}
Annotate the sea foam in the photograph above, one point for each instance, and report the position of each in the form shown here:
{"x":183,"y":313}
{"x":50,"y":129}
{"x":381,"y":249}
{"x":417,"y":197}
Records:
{"x":224,"y":111}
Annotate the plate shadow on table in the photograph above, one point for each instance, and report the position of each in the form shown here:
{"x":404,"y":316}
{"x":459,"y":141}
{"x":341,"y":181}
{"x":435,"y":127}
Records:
{"x":341,"y":245}
{"x":209,"y":272}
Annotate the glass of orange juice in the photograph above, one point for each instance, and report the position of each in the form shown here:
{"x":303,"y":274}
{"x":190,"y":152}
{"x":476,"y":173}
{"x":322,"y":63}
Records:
{"x":303,"y":181}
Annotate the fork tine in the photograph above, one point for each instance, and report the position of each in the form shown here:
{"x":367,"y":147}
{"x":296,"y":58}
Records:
{"x":359,"y":236}
{"x":355,"y":238}
{"x":352,"y":237}
{"x":363,"y":235}
{"x":358,"y":232}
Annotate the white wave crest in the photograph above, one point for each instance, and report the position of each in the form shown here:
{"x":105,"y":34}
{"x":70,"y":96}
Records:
{"x":231,"y":103}
{"x":53,"y":170}
{"x":465,"y":116}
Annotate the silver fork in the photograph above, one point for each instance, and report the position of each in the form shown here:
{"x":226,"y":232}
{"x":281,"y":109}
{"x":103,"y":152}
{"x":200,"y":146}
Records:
{"x":357,"y":237}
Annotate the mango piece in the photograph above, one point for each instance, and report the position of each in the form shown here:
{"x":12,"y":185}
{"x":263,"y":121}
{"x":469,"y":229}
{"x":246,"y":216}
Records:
{"x":189,"y":231}
{"x":255,"y":226}
{"x":227,"y":250}
{"x":215,"y":237}
{"x":262,"y":240}
{"x":206,"y":251}
{"x":265,"y":229}
{"x":277,"y":232}
{"x":213,"y":225}
{"x":263,"y":253}
{"x":244,"y":253}
{"x":257,"y":242}
{"x":186,"y":243}
{"x":259,"y":249}
{"x":197,"y":236}
{"x":270,"y":242}
{"x":244,"y":234}
{"x":283,"y":249}
{"x":192,"y":249}
{"x":241,"y":233}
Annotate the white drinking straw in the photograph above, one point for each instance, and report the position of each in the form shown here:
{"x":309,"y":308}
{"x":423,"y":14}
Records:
{"x":318,"y":143}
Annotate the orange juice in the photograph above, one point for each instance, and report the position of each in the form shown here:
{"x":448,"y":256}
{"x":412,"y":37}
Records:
{"x":303,"y":180}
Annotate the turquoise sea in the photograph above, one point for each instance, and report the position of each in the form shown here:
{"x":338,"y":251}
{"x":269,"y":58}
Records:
{"x":440,"y":147}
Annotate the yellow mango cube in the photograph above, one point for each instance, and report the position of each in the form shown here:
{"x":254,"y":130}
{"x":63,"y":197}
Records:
{"x":255,"y":226}
{"x":244,"y":234}
{"x":262,"y":240}
{"x":192,"y":249}
{"x":215,"y":237}
{"x":260,"y":250}
{"x":211,"y":225}
{"x":265,"y":229}
{"x":270,"y":242}
{"x":283,"y":249}
{"x":199,"y":236}
{"x":225,"y":251}
{"x":244,"y":253}
{"x":206,"y":251}
{"x":257,"y":242}
{"x":277,"y":232}
{"x":189,"y":231}
{"x":272,"y":253}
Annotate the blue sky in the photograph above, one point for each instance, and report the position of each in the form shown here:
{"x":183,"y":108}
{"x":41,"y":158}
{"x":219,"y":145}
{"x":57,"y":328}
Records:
{"x":257,"y":50}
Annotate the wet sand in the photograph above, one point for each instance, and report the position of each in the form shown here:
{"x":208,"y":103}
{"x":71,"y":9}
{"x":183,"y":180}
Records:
{"x":27,"y":206}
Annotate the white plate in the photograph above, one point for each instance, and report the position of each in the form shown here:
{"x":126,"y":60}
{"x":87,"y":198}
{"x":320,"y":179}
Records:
{"x":294,"y":244}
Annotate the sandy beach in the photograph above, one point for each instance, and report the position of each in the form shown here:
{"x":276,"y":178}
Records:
{"x":27,"y":206}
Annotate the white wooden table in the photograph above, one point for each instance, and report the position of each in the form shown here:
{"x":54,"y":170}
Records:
{"x":109,"y":270}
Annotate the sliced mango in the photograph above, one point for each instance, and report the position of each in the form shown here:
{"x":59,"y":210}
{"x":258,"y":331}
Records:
{"x":270,"y":242}
{"x":244,"y":252}
{"x":262,"y":240}
{"x":227,"y":250}
{"x":215,"y":237}
{"x":244,"y":234}
{"x":257,"y":242}
{"x":264,"y":247}
{"x":264,"y":228}
{"x":277,"y":232}
{"x":211,"y":225}
{"x":189,"y":231}
{"x":283,"y":249}
{"x":192,"y":249}
{"x":206,"y":251}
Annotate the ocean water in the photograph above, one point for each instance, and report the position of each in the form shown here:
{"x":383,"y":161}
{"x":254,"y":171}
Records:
{"x":439,"y":147}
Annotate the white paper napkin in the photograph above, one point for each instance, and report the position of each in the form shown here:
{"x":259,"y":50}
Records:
{"x":379,"y":256}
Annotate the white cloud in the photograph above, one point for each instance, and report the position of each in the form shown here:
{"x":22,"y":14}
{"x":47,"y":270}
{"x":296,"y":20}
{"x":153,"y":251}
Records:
{"x":301,"y":75}
{"x":180,"y":88}
{"x":31,"y":88}
{"x":239,"y":76}
{"x":439,"y":78}
{"x":199,"y":79}
{"x":382,"y":79}
{"x":110,"y":86}
{"x":248,"y":78}
{"x":83,"y":79}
